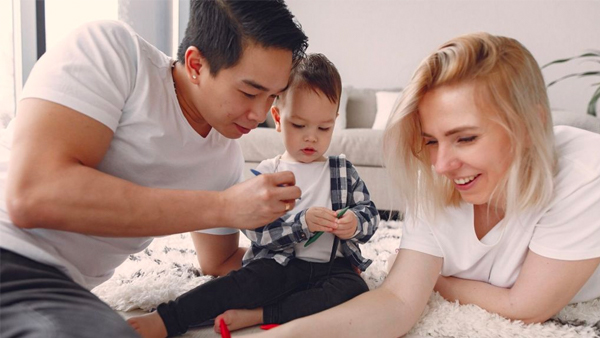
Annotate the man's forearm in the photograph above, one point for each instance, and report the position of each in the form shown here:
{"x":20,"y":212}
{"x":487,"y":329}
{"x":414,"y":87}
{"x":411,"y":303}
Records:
{"x":84,"y":200}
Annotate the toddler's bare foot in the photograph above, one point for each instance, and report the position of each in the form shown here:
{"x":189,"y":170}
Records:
{"x":239,"y":319}
{"x":148,"y":326}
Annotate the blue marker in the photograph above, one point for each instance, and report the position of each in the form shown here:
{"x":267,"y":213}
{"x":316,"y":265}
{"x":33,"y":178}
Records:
{"x":256,"y":173}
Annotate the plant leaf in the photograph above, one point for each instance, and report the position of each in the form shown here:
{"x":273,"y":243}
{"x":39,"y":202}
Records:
{"x":591,"y":109}
{"x":593,"y":54}
{"x":591,"y":73}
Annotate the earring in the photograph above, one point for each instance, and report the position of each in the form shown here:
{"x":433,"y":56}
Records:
{"x":194,"y":77}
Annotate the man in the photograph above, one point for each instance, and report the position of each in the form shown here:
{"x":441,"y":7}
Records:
{"x":114,"y":143}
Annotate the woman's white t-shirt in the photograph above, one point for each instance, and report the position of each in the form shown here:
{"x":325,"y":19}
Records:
{"x":107,"y":72}
{"x":567,"y":229}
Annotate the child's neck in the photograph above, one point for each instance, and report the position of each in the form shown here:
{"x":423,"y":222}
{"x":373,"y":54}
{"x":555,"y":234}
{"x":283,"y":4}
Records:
{"x":289,"y":158}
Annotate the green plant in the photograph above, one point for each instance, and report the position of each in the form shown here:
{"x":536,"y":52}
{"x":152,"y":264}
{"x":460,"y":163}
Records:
{"x":593,"y":56}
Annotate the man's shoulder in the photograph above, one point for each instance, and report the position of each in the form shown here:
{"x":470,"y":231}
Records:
{"x":111,"y":28}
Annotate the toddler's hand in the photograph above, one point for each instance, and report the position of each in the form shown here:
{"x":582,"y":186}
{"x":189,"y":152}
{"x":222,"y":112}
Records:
{"x":346,"y":225}
{"x":320,"y":219}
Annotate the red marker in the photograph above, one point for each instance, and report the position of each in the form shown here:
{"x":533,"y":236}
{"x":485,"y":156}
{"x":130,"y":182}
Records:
{"x":268,"y":326}
{"x":224,"y":330}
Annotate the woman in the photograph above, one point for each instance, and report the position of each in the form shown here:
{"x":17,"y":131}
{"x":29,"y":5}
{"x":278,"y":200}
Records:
{"x":503,"y":210}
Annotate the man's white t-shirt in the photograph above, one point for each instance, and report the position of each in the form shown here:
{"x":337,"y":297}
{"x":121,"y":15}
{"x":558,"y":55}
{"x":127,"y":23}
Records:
{"x":567,"y":229}
{"x":107,"y":72}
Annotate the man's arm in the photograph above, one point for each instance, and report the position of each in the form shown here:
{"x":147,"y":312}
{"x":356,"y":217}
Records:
{"x":218,"y":254}
{"x":543,"y":288}
{"x":53,"y":183}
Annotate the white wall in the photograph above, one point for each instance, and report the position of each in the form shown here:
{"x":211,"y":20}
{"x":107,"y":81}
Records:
{"x":379,"y":43}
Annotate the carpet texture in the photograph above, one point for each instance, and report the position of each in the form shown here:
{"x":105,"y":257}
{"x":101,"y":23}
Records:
{"x":168,"y":268}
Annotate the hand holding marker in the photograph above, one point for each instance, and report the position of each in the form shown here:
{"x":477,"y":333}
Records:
{"x":256,"y":173}
{"x":319,"y":233}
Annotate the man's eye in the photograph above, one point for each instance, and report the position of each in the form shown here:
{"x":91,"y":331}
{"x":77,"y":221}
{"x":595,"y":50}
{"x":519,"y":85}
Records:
{"x":251,"y":96}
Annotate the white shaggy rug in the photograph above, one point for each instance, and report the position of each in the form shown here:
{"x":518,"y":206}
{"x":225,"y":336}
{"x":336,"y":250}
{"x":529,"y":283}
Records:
{"x":168,"y":268}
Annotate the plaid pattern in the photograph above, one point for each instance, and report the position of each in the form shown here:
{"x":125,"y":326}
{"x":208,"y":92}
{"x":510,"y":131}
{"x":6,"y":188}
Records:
{"x":277,"y":239}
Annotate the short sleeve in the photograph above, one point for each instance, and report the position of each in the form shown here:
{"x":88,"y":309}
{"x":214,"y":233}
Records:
{"x":91,"y":71}
{"x":570,"y":229}
{"x":417,"y":236}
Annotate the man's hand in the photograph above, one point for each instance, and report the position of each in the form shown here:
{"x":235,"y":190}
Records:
{"x":320,"y":219}
{"x":345,"y":227}
{"x":259,"y":201}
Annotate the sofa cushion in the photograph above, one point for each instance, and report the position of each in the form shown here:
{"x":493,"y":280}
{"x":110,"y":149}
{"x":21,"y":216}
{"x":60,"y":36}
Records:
{"x":582,"y":121}
{"x":261,"y":144}
{"x":363,"y":147}
{"x":362,"y":106}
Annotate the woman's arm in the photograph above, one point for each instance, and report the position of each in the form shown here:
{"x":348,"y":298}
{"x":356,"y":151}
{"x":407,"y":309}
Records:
{"x":389,"y":311}
{"x":543,"y":288}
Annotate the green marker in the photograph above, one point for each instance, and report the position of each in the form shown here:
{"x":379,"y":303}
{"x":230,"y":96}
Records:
{"x":319,"y":233}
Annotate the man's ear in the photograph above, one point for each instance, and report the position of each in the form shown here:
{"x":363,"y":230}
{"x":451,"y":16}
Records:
{"x":195,"y":64}
{"x":276,"y":118}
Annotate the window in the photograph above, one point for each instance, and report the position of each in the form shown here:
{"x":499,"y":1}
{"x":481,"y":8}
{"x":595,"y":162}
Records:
{"x":60,"y":18}
{"x":30,"y":27}
{"x":7,"y":64}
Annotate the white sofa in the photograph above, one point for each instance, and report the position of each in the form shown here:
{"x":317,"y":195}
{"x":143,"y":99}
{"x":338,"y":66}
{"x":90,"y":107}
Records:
{"x":363,"y":145}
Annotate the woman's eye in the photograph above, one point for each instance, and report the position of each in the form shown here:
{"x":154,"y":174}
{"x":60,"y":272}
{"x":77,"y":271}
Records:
{"x":297,"y":125}
{"x":467,"y":139}
{"x":430,"y":142}
{"x":324,"y":128}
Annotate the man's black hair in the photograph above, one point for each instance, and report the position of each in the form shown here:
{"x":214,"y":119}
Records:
{"x":221,"y":29}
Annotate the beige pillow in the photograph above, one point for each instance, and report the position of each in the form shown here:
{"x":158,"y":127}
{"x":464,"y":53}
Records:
{"x":385,"y":103}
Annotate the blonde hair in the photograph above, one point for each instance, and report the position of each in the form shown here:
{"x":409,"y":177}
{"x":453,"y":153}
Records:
{"x":509,"y":80}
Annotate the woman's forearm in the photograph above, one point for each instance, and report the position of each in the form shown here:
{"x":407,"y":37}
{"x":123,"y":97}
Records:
{"x":378,"y":313}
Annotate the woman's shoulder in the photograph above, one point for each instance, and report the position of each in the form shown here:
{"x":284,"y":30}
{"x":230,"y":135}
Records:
{"x":578,"y":164}
{"x":578,"y":151}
